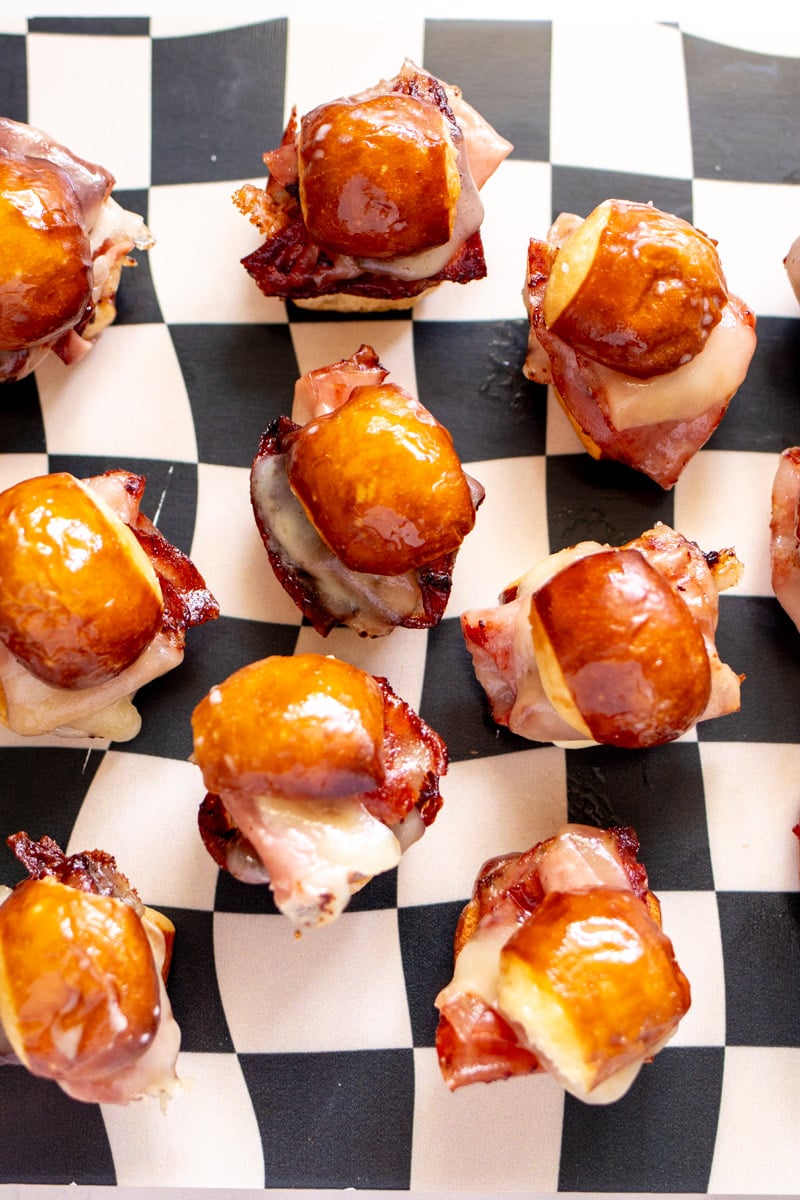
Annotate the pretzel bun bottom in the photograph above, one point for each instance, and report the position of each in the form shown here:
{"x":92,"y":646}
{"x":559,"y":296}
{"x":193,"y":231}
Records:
{"x":378,"y":177}
{"x":620,"y":654}
{"x":45,"y":256}
{"x":79,"y":599}
{"x":305,"y":724}
{"x":79,"y":988}
{"x":635,"y":288}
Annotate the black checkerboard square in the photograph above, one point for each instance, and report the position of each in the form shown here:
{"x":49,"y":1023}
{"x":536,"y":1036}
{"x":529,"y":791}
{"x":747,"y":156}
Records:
{"x":742,"y":107}
{"x":578,"y":190}
{"x":239,"y":378}
{"x":473,"y":385}
{"x":309,"y":1104}
{"x":660,"y":793}
{"x":763,"y":414}
{"x":193,"y":986}
{"x":600,"y":501}
{"x":216,"y":124}
{"x":426,"y":938}
{"x":757,"y":638}
{"x":761,"y":941}
{"x":48,"y":1138}
{"x":14,"y":78}
{"x":658,"y":1138}
{"x":26,"y":800}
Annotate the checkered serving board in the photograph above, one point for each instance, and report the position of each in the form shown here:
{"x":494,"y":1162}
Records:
{"x":309,"y":1062}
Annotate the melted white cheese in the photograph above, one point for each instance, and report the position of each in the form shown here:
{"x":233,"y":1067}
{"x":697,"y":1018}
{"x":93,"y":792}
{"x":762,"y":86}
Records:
{"x":372,"y":604}
{"x":315,"y":853}
{"x":710,"y":377}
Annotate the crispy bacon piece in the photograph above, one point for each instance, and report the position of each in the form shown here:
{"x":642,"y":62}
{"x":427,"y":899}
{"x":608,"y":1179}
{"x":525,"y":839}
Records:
{"x":187,"y":600}
{"x":89,"y":871}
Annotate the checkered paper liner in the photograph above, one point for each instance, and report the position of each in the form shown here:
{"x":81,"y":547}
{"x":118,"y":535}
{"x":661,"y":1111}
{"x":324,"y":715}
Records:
{"x":309,"y":1063}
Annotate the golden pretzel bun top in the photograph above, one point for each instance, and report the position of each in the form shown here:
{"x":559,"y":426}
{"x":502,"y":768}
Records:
{"x":635,"y":288}
{"x":303,"y":725}
{"x":79,"y":599}
{"x":620,"y":653}
{"x":79,"y":988}
{"x":45,"y":256}
{"x":378,"y":176}
{"x":381,"y":481}
{"x":593,"y":981}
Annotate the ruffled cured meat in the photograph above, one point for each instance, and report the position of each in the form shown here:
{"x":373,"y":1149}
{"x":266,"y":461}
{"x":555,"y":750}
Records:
{"x":363,"y":506}
{"x":94,"y":603}
{"x":785,"y":533}
{"x":608,"y":644}
{"x":83,"y":967}
{"x":375,"y":195}
{"x":63,"y":243}
{"x":319,"y":775}
{"x":540,"y":932}
{"x":648,"y":346}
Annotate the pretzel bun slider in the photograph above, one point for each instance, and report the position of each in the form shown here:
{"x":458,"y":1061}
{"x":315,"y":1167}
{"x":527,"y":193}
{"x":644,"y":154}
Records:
{"x":373,"y":198}
{"x":319,"y":776}
{"x":94,"y":602}
{"x":82,"y":971}
{"x":634,"y":326}
{"x":363,"y":507}
{"x":63,"y":243}
{"x":608,"y":644}
{"x":561,"y":965}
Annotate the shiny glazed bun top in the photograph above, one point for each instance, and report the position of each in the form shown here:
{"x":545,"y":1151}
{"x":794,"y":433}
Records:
{"x":381,"y":481}
{"x":79,"y":599}
{"x":620,"y":653}
{"x":378,"y":176}
{"x":636,"y":289}
{"x":306,"y":724}
{"x":45,"y":255}
{"x":79,"y":987}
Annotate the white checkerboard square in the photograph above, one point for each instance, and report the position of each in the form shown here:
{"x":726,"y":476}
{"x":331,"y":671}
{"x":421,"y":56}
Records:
{"x":756,"y":1149}
{"x":201,"y":1141}
{"x":115,"y":70}
{"x":618,"y":95}
{"x":200,"y":238}
{"x":510,"y":531}
{"x":338,"y":987}
{"x":691,"y":922}
{"x":226,"y":536}
{"x":143,"y":810}
{"x":502,"y":1138}
{"x":751,"y":245}
{"x":752,"y":803}
{"x":492,"y":806}
{"x":517,"y":207}
{"x":126,"y":398}
{"x":703,"y":515}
